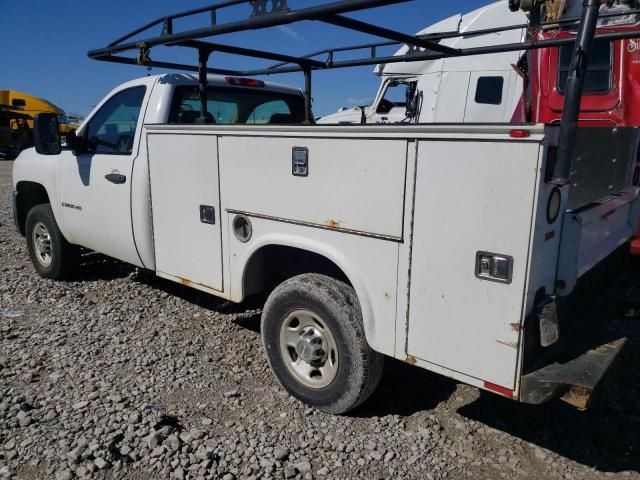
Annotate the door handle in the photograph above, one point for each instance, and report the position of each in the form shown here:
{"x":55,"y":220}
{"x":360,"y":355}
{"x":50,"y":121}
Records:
{"x":116,"y":178}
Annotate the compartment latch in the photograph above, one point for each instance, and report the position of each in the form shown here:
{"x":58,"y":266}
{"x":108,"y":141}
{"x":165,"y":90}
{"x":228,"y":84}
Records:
{"x":494,"y":267}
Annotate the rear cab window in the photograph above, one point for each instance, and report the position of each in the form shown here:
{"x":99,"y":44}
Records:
{"x":489,"y":90}
{"x":599,"y":76}
{"x":237,"y":106}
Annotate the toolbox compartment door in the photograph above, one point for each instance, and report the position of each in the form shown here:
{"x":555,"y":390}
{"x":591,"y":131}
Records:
{"x":471,"y":197}
{"x":185,"y":199}
{"x":354,"y":185}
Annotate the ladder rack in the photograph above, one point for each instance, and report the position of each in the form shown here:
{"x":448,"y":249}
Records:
{"x":272,"y":13}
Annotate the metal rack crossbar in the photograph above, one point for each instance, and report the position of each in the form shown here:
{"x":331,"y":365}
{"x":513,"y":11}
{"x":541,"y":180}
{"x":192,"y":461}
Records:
{"x":273,"y":13}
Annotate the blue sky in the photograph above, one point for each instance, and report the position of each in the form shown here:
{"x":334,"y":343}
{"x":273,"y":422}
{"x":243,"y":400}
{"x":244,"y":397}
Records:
{"x":43,"y":45}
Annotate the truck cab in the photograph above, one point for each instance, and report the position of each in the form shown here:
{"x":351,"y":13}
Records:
{"x":107,"y":158}
{"x":481,"y":89}
{"x":611,"y":90}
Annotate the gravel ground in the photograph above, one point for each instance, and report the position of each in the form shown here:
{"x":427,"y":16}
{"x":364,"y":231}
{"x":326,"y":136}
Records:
{"x":117,"y":374}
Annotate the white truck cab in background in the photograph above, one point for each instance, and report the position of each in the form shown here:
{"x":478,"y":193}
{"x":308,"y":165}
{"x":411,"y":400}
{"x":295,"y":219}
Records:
{"x":478,"y":89}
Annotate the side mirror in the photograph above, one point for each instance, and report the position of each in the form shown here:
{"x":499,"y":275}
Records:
{"x":77,"y":144}
{"x":46,"y":134}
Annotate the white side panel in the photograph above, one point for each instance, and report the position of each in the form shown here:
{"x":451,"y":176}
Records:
{"x":483,"y":112}
{"x":352,"y":185}
{"x":457,"y":320}
{"x":452,"y":97}
{"x":428,"y":85}
{"x":183,"y":171}
{"x":591,"y":234}
{"x":32,"y":167}
{"x":141,"y":207}
{"x":369,"y":263}
{"x":516,"y":85}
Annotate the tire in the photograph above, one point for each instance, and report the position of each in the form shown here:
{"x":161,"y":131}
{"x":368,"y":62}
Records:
{"x":43,"y":235}
{"x":314,"y":341}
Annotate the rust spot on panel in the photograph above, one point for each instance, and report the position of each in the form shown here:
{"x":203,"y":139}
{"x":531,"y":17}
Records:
{"x":387,"y":295}
{"x":508,"y":344}
{"x":516,"y":327}
{"x":189,"y":283}
{"x":331,"y":223}
{"x":411,"y":360}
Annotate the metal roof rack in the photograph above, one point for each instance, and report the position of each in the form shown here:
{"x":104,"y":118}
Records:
{"x":273,"y":13}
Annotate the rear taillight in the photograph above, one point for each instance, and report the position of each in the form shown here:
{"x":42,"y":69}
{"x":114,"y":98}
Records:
{"x":245,"y":82}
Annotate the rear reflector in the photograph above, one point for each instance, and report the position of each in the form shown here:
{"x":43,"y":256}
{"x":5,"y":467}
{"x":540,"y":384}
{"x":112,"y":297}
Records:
{"x":245,"y":82}
{"x":498,"y":389}
{"x":519,"y":133}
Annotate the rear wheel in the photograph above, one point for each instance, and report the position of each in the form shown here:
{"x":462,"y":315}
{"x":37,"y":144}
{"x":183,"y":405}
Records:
{"x":315,"y":344}
{"x":51,"y":254}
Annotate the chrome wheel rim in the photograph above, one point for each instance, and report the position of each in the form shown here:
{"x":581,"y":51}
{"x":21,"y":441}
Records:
{"x":309,"y":349}
{"x":42,"y":244}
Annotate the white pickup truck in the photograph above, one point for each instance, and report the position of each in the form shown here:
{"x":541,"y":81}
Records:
{"x":445,"y":246}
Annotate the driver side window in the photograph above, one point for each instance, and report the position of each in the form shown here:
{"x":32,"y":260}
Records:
{"x":394,"y":96}
{"x":112,"y":129}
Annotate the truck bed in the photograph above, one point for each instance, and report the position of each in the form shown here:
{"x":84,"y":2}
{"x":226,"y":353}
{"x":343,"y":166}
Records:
{"x":407,"y":212}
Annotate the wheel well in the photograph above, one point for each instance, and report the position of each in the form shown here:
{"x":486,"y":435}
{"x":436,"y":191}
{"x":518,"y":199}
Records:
{"x":271,"y":265}
{"x":30,"y":194}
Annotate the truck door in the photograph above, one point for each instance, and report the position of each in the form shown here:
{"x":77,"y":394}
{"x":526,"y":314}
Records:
{"x":185,"y":197}
{"x":95,"y":184}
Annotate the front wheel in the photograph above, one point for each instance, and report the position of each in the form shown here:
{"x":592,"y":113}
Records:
{"x":51,"y":254}
{"x":315,"y":344}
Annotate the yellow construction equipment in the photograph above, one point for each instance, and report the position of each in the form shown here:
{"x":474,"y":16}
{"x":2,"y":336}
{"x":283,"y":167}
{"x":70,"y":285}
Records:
{"x":17,"y":111}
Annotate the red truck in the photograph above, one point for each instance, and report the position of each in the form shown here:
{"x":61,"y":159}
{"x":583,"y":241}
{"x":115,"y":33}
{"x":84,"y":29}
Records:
{"x":612,"y":85}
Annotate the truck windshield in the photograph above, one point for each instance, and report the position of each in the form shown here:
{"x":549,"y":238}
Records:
{"x":598,"y":79}
{"x":228,"y":105}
